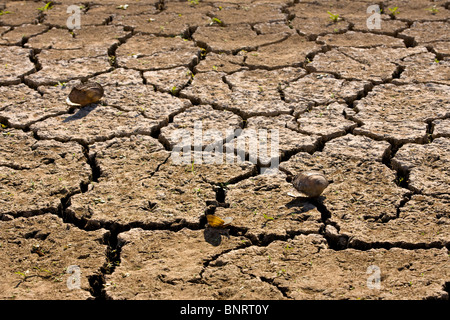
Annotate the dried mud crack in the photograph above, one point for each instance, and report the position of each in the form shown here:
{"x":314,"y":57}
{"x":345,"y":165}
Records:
{"x":94,"y":205}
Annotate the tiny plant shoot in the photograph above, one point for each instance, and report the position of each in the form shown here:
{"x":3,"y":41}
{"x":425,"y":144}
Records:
{"x":394,"y":11}
{"x":333,"y":17}
{"x":433,"y":10}
{"x":47,"y":7}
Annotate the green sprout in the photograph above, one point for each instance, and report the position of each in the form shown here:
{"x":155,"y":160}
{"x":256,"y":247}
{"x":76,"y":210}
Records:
{"x":333,"y":17}
{"x":267,"y":217}
{"x":47,"y":7}
{"x":193,"y":2}
{"x":191,"y":169}
{"x":112,"y":60}
{"x":22,"y":274}
{"x":433,"y":10}
{"x":215,"y":20}
{"x":61,"y":84}
{"x":394,"y":11}
{"x":173,"y":90}
{"x":4,"y":12}
{"x":282,"y":271}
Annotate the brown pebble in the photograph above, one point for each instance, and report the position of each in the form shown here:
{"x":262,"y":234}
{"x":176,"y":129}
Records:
{"x":310,"y":184}
{"x":85,"y":93}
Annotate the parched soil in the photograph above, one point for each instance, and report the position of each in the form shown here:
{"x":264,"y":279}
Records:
{"x":94,"y":203}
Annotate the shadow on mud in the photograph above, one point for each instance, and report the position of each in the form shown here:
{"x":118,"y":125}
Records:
{"x":81,"y":113}
{"x":214,"y":235}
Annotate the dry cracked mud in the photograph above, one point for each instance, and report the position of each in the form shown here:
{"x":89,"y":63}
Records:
{"x":202,"y":99}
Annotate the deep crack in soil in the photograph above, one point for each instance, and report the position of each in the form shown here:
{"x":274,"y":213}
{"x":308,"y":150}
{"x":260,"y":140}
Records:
{"x":153,"y":220}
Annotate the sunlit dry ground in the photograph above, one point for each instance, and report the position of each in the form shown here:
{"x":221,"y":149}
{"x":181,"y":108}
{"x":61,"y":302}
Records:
{"x":97,"y":188}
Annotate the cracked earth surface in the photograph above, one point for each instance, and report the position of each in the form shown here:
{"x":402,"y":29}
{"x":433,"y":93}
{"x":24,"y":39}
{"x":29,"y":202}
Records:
{"x":98,"y":187}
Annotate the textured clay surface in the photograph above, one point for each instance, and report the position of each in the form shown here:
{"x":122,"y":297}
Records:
{"x":212,"y":107}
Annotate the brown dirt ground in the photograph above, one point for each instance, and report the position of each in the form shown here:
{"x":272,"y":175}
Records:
{"x":98,"y":189}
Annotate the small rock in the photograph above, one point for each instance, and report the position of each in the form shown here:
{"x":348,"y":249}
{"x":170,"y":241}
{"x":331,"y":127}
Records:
{"x":310,"y":184}
{"x":85,"y":93}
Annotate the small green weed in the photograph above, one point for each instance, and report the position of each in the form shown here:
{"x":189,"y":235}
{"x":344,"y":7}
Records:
{"x":394,"y":11}
{"x":268,"y":218}
{"x":433,"y":10}
{"x":216,"y":20}
{"x":333,"y":17}
{"x":47,"y":7}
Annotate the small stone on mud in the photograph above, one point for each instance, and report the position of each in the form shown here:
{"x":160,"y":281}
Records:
{"x":85,"y":93}
{"x":310,"y":184}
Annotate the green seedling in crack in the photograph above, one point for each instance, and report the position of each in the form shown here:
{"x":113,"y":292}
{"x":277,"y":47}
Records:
{"x":4,"y":12}
{"x":61,"y":84}
{"x":47,"y":7}
{"x":193,"y":2}
{"x":394,"y":11}
{"x":112,"y":60}
{"x":333,"y":17}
